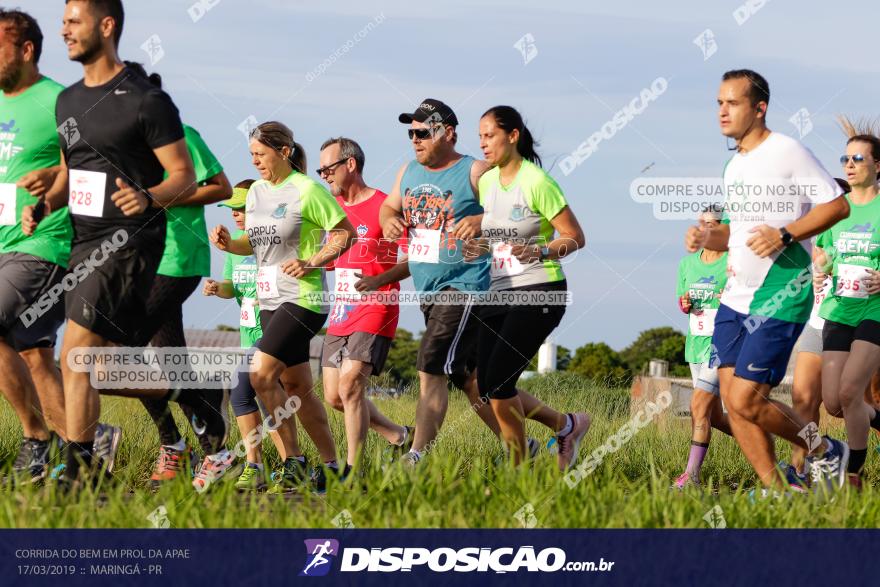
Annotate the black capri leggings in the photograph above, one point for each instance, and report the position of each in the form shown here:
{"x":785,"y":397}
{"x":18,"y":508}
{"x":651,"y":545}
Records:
{"x":288,"y":332}
{"x":508,"y":339}
{"x":243,"y":397}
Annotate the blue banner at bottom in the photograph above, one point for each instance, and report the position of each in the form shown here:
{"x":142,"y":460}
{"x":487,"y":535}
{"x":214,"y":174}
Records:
{"x":433,"y":557}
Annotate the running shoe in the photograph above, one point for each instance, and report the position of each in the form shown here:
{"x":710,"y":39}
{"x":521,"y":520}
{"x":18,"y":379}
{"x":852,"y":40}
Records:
{"x":568,"y":444}
{"x":854,"y":480}
{"x":31,"y":462}
{"x":403,"y":447}
{"x":170,"y":464}
{"x":106,"y":444}
{"x":765,"y":494}
{"x":683,"y":481}
{"x":293,"y":473}
{"x":410,"y":459}
{"x":212,"y":470}
{"x":533,"y":447}
{"x":210,"y":419}
{"x":251,"y":479}
{"x":796,"y":482}
{"x":319,"y":477}
{"x":828,"y":472}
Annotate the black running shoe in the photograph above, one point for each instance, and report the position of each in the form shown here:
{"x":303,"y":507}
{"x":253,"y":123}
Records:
{"x":210,"y":419}
{"x":31,"y":463}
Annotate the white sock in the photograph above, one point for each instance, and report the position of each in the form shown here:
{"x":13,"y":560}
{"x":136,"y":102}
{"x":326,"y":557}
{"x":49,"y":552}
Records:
{"x":180,"y":446}
{"x":220,"y":456}
{"x":569,"y":424}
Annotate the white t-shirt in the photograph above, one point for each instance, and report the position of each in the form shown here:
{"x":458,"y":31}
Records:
{"x":774,"y":184}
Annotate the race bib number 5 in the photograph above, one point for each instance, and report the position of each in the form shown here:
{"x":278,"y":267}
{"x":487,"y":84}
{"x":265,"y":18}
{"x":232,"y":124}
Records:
{"x":703,"y":324}
{"x":267,"y":282}
{"x":850,"y":282}
{"x":424,"y":245}
{"x":87,"y":190}
{"x":504,"y":264}
{"x":7,"y":204}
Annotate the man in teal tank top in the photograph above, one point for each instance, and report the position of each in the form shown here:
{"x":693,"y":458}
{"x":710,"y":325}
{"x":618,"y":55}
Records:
{"x":435,"y":205}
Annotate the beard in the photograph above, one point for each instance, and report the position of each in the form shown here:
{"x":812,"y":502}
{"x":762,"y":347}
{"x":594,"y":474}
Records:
{"x":91,"y":48}
{"x":11,"y":73}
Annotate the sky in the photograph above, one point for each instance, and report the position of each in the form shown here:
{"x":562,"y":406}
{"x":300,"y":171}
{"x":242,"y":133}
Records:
{"x":349,"y":68}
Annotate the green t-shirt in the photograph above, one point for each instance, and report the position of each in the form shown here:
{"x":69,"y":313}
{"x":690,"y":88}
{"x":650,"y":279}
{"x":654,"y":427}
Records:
{"x":242,"y":272}
{"x":853,"y":244}
{"x":187,"y":253}
{"x":29,"y":141}
{"x":703,"y":283}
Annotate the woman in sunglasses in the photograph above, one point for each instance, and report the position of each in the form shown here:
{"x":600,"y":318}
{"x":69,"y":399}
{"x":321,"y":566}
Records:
{"x":851,"y":335}
{"x":529,"y":226}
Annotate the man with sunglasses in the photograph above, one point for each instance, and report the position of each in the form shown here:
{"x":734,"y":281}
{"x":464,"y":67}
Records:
{"x":777,"y":197}
{"x":360,"y":332}
{"x":434,"y":203}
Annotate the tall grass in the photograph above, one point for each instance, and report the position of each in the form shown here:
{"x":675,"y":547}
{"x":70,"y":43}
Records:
{"x":462,"y":483}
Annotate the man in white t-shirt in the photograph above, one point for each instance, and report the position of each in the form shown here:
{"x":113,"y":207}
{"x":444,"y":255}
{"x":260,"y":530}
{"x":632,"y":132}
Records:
{"x":778,"y":195}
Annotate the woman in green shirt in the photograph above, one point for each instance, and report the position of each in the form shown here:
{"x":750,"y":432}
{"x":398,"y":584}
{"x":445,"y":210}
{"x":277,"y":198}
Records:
{"x":701,"y":279}
{"x":851,"y":335}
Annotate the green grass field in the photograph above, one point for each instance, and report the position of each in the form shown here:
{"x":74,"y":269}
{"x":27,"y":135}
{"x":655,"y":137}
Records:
{"x":458,"y":485}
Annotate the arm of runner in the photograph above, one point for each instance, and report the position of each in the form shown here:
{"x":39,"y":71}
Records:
{"x":39,"y":181}
{"x":684,"y":301}
{"x":767,"y":239}
{"x":212,"y":190}
{"x":390,"y":215}
{"x":398,"y":273}
{"x":571,"y":238}
{"x":339,"y":239}
{"x":220,"y":238}
{"x":704,"y":237}
{"x":221,"y":289}
{"x":54,"y":199}
{"x":179,"y":184}
{"x":470,"y":226}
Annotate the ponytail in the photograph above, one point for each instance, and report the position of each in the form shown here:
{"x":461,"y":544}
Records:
{"x":508,"y":119}
{"x":297,"y":158}
{"x":154,"y":78}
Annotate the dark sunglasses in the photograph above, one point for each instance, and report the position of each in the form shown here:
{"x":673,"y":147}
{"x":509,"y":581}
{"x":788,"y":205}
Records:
{"x":328,"y":169}
{"x":857,"y":158}
{"x":423,"y":134}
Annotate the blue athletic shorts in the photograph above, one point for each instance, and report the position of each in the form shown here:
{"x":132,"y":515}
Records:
{"x":757,"y":347}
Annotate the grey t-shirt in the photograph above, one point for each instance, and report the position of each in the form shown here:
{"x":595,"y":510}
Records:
{"x":520,"y":213}
{"x":285,"y":222}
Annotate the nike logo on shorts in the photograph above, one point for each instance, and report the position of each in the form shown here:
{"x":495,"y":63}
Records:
{"x":753,"y":369}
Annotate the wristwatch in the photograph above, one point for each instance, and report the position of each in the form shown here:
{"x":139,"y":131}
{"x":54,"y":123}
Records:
{"x":545,"y":252}
{"x":786,"y":237}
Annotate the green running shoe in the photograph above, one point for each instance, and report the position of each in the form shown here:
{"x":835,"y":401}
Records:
{"x":293,"y":473}
{"x":251,"y":479}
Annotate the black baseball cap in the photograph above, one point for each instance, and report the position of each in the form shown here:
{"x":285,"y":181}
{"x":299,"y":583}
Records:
{"x":430,"y":109}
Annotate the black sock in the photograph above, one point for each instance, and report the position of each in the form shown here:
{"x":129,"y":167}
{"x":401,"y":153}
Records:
{"x":875,"y":421}
{"x":856,"y":460}
{"x":160,"y":411}
{"x":79,"y":455}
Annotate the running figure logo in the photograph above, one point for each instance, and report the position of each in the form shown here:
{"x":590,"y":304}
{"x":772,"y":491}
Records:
{"x":321,"y":553}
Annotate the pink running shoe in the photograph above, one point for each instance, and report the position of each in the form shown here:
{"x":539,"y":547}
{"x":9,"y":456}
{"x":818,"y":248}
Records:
{"x":568,"y":444}
{"x":212,"y":470}
{"x":683,"y":481}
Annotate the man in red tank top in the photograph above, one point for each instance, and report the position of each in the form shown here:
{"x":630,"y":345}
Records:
{"x":359,"y":334}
